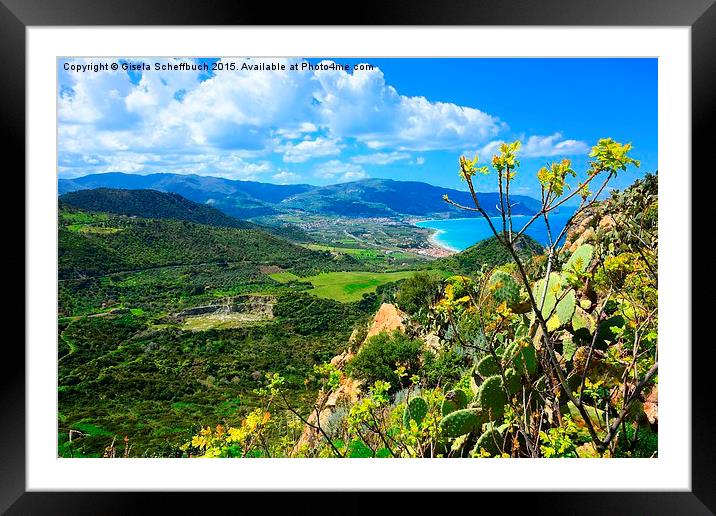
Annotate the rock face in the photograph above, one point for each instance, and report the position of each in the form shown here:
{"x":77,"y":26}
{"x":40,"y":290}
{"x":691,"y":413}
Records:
{"x":257,"y":305}
{"x":387,"y":318}
{"x":581,"y":231}
{"x":651,"y":406}
{"x":585,"y":226}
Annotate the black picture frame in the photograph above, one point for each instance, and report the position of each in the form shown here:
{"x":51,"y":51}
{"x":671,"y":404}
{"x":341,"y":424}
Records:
{"x":17,"y":15}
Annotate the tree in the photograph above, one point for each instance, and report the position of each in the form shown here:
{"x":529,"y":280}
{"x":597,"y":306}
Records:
{"x":418,"y":292}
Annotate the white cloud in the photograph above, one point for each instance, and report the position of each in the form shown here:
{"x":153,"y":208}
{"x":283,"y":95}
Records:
{"x":380,"y":158}
{"x":228,"y":165}
{"x":233,"y":124}
{"x":285,"y":177}
{"x":307,"y":149}
{"x":361,"y":105}
{"x":335,"y":169}
{"x":249,"y":111}
{"x":536,"y":147}
{"x":553,"y":145}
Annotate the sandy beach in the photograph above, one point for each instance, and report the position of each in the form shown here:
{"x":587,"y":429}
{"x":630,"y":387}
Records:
{"x":436,"y":250}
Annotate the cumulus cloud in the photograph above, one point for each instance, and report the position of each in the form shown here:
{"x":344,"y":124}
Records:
{"x":361,"y":105}
{"x":249,"y":112}
{"x":342,"y":171}
{"x":308,"y":149}
{"x":285,"y":177}
{"x":237,"y":123}
{"x":381,"y":158}
{"x":536,"y":147}
{"x":553,"y":145}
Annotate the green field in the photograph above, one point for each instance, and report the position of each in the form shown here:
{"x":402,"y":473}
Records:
{"x":345,"y":286}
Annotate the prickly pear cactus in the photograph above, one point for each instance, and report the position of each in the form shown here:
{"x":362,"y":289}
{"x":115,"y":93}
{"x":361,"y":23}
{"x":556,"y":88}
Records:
{"x":513,"y":381}
{"x":524,"y":358}
{"x":504,"y":288}
{"x":416,"y":409}
{"x":454,"y":400}
{"x":565,"y":308}
{"x":492,"y":397}
{"x":580,"y":259}
{"x":490,"y":440}
{"x":568,"y":349}
{"x":581,"y":320}
{"x":462,"y":422}
{"x":487,"y":366}
{"x":554,"y":288}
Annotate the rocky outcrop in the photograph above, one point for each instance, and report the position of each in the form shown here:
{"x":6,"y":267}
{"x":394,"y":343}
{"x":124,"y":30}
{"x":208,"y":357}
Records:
{"x":651,"y":406}
{"x":432,"y":342}
{"x":582,"y":230}
{"x":387,"y":318}
{"x":256,"y":305}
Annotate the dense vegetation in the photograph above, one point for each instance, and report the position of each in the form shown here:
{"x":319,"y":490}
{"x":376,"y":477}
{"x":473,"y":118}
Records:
{"x":130,"y":375}
{"x":150,"y":204}
{"x":549,"y":355}
{"x":94,"y":245}
{"x":489,"y":253}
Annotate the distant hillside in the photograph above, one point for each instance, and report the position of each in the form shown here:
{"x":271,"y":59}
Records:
{"x":385,"y":197}
{"x":97,"y":244}
{"x":241,"y":199}
{"x":487,"y":252}
{"x":150,"y":204}
{"x":248,"y":199}
{"x":161,"y":205}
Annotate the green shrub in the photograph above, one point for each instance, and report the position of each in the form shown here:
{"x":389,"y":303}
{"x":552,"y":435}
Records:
{"x":381,"y":354}
{"x":443,"y":368}
{"x":418,"y":292}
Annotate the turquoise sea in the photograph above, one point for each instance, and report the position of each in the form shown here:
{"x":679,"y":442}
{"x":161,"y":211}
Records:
{"x":459,"y":234}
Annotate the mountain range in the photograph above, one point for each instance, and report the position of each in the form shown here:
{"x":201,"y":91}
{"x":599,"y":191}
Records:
{"x":249,"y":199}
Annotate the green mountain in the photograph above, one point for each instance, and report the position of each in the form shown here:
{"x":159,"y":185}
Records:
{"x":388,"y":198}
{"x":249,"y":199}
{"x":150,"y":204}
{"x":162,"y":205}
{"x":241,"y":199}
{"x":490,"y":253}
{"x":98,"y":244}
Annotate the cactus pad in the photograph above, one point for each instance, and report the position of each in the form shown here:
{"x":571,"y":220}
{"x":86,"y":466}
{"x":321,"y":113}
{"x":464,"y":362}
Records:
{"x":504,"y":288}
{"x":513,"y":381}
{"x":524,"y":358}
{"x":487,"y":366}
{"x":492,"y":397}
{"x":565,"y":308}
{"x":491,"y":441}
{"x":454,"y":400}
{"x":580,"y":259}
{"x":582,"y":320}
{"x":554,"y":288}
{"x":462,"y":422}
{"x":416,"y":409}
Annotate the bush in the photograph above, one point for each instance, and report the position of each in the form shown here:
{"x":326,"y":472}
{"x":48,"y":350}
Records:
{"x":443,"y":368}
{"x":418,"y":292}
{"x":382,"y":354}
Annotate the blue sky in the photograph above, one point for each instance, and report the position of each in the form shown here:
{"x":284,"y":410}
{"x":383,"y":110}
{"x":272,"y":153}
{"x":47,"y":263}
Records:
{"x":407,"y":119}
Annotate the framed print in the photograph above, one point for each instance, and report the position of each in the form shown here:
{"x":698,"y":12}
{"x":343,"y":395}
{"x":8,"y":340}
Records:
{"x":412,"y":252}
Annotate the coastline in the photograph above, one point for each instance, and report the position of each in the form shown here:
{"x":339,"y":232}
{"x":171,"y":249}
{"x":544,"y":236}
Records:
{"x":435,"y":241}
